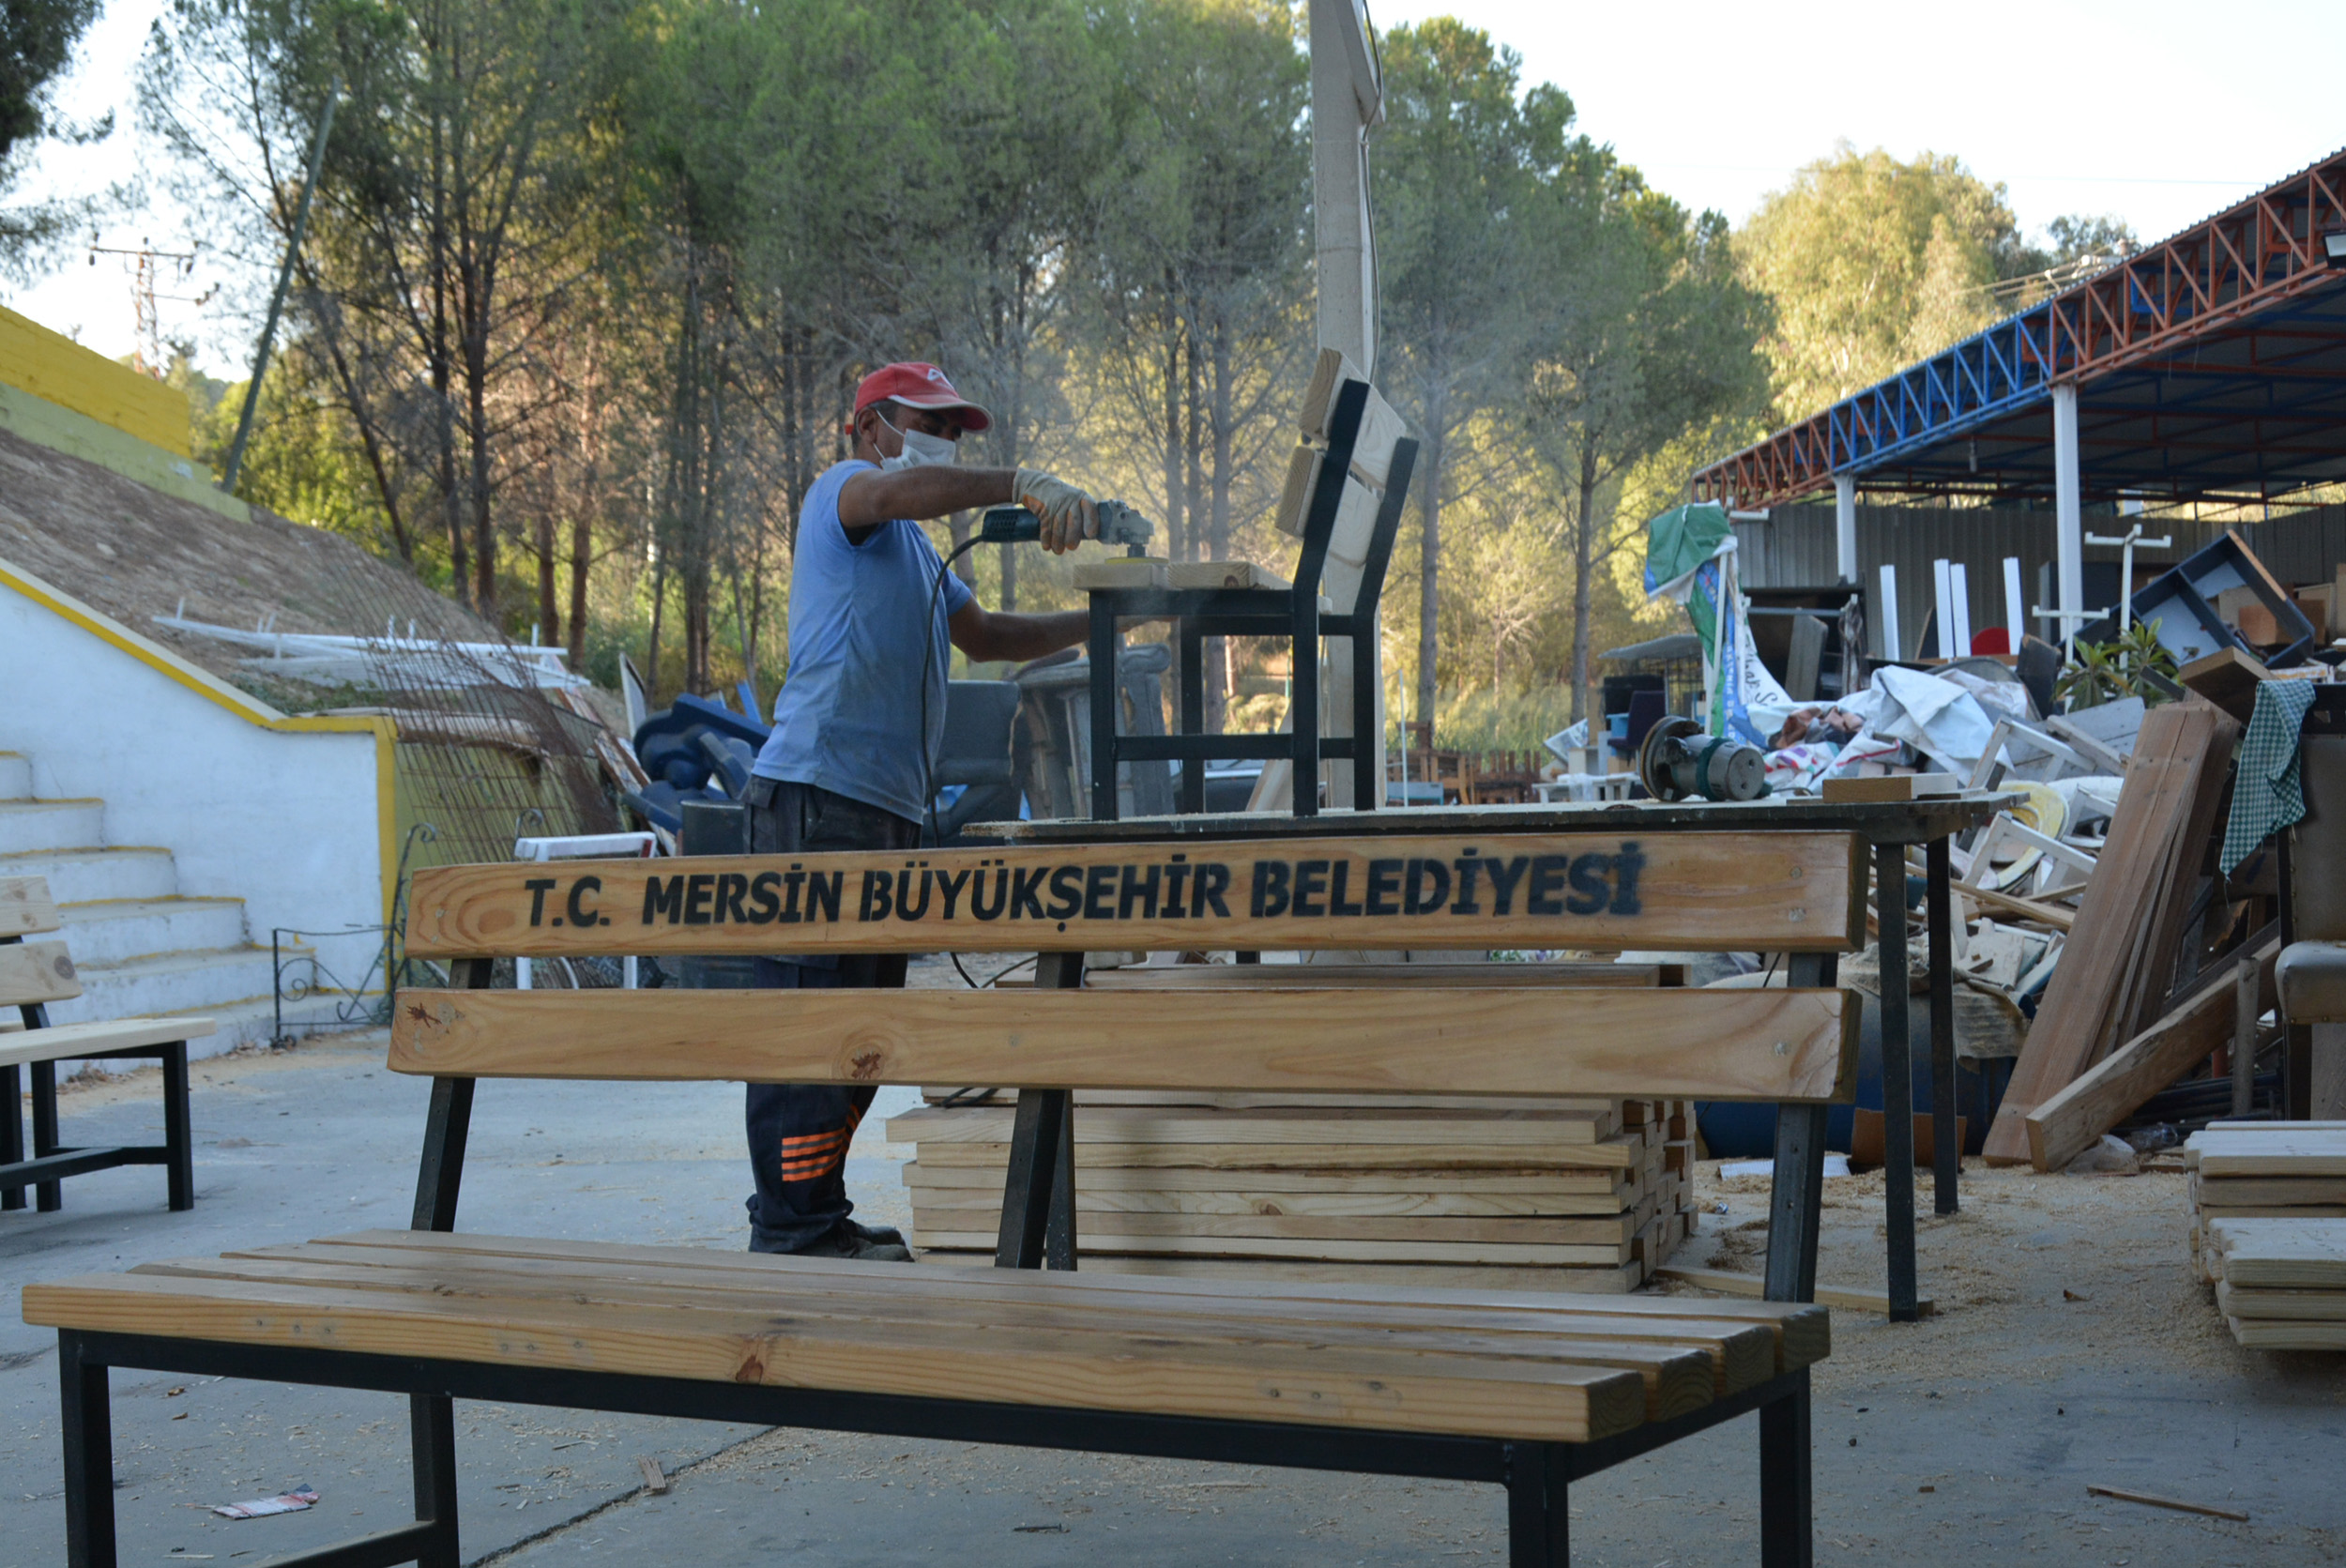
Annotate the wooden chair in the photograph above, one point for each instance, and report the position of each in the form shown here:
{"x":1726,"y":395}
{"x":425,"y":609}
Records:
{"x":32,"y":975}
{"x":1529,"y":1391}
{"x":1366,"y":462}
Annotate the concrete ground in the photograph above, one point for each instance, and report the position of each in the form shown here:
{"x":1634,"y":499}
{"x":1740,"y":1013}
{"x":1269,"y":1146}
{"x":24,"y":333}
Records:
{"x":2072,"y":1346}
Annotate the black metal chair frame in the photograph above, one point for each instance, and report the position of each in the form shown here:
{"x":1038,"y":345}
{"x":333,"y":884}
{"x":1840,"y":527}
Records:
{"x":1293,"y":611}
{"x":52,"y":1161}
{"x":1038,"y":1230}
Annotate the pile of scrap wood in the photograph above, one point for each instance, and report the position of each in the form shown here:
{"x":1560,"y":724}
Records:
{"x":1554,"y":1194}
{"x":2268,"y":1229}
{"x":2146,"y":983}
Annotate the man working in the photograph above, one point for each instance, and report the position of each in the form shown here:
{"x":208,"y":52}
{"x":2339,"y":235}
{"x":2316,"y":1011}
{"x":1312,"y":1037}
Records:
{"x":847,"y":764}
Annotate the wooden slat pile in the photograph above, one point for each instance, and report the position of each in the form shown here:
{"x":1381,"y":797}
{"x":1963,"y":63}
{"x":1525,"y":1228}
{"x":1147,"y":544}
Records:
{"x":1555,"y":1195}
{"x":2129,"y":937}
{"x":2268,"y":1229}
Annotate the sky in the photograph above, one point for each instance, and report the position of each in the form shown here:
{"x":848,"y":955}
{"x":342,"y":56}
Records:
{"x":2153,"y":111}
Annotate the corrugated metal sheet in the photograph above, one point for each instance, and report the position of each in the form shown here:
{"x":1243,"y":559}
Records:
{"x":1795,"y":548}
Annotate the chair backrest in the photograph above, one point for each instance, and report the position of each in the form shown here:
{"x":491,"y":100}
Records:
{"x":32,"y":973}
{"x":1776,"y":891}
{"x":2317,"y":845}
{"x":977,"y":715}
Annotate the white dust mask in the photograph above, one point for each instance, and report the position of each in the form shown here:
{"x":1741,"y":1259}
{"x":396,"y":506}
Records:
{"x":921,"y":450}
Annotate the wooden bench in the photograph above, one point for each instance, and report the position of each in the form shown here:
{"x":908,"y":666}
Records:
{"x":1527,"y":1390}
{"x":33,"y":975}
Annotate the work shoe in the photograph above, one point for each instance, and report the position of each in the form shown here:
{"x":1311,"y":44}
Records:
{"x":880,"y":1245}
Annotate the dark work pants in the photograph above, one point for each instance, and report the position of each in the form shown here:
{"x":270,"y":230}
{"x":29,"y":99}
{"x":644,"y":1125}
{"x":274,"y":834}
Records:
{"x":799,"y":1132}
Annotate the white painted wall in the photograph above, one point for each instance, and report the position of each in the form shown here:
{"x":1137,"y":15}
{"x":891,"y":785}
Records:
{"x":288,"y":822}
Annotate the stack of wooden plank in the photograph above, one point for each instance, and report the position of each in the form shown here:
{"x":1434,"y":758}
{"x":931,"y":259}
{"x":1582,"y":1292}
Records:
{"x":2268,"y":1229}
{"x":2122,"y":956}
{"x":1555,"y":1194}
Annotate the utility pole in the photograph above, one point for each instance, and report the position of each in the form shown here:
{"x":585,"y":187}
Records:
{"x":277,"y":298}
{"x":1348,"y":101}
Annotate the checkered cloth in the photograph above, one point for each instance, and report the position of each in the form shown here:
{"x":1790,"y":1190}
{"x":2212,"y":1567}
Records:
{"x":2267,"y":795}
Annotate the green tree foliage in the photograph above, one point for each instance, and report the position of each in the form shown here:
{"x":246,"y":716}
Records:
{"x":1872,"y":264}
{"x":37,"y":40}
{"x":589,"y":283}
{"x":1461,"y":150}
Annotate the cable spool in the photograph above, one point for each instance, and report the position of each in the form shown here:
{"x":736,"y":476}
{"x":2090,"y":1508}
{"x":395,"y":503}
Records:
{"x":1680,"y":761}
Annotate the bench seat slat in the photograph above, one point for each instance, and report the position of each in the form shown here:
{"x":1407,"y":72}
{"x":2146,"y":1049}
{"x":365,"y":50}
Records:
{"x":1613,"y":1154}
{"x":1742,"y":1352}
{"x":1680,"y":1375}
{"x":1782,"y":1045}
{"x":1387,"y":1391}
{"x":1367,"y":977}
{"x":1802,"y":1331}
{"x":61,"y":1041}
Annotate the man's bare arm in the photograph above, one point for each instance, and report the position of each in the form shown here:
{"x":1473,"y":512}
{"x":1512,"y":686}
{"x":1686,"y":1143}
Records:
{"x":986,"y":636}
{"x":870,"y":498}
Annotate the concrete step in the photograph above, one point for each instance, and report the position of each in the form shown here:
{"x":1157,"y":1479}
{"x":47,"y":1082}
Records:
{"x":28,"y":825}
{"x":169,"y":982}
{"x":16,"y":776}
{"x":83,"y":875}
{"x":114,"y":930}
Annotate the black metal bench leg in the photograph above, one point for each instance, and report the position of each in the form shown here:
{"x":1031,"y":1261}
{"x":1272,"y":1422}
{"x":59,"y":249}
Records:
{"x":1539,"y":1523}
{"x":433,"y":1420}
{"x":1897,"y":1081}
{"x":1193,"y":685}
{"x":1795,"y":1192}
{"x":49,"y":1195}
{"x":90,"y":1457}
{"x":1787,"y":1473}
{"x":1946,"y":1153}
{"x":12,"y":1130}
{"x":178,"y":1133}
{"x":1103,"y":702}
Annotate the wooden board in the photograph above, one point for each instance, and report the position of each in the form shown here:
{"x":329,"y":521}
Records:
{"x":1747,"y":1044}
{"x":2233,"y":1301}
{"x":1624,"y":1153}
{"x":1894,"y":786}
{"x":2227,"y":678}
{"x":63,"y":1040}
{"x":25,"y":908}
{"x":2286,"y":1335}
{"x":2292,"y":1149}
{"x":1381,"y":426}
{"x":1182,"y":1124}
{"x":1272,"y":977}
{"x":2279,"y":1191}
{"x":1603,"y":1284}
{"x":1590,"y":1230}
{"x":2074,"y":1119}
{"x":1121,"y":571}
{"x":1788,"y":891}
{"x":34,"y":972}
{"x":1430,"y":1200}
{"x":1191,"y":575}
{"x":1394,"y":1390}
{"x":2102,"y":987}
{"x":1094,"y":1240}
{"x":2280,"y":1255}
{"x":1802,"y":1331}
{"x":1602,"y":1187}
{"x":1753,"y":1287}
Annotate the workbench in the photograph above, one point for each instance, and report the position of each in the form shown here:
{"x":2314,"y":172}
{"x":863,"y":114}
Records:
{"x":1888,"y":827}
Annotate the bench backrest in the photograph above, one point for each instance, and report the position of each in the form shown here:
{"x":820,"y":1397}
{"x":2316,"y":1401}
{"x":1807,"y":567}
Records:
{"x":32,"y":974}
{"x":1774,"y":892}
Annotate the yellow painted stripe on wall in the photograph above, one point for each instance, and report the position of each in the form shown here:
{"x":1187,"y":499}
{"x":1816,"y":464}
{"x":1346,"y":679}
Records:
{"x":52,"y":366}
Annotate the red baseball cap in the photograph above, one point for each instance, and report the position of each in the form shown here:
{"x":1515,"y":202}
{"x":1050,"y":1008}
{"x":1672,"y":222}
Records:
{"x":917,"y":385}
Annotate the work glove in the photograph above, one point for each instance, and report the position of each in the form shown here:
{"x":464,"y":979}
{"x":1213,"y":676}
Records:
{"x":1069,"y":516}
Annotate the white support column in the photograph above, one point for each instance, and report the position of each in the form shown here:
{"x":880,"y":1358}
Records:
{"x":1844,"y":525}
{"x":2068,"y":510}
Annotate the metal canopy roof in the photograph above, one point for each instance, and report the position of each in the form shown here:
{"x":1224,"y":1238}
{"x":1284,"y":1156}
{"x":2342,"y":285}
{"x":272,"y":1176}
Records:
{"x":2212,"y":365}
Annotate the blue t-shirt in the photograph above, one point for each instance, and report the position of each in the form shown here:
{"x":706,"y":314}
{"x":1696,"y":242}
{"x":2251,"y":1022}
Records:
{"x":849,"y":716}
